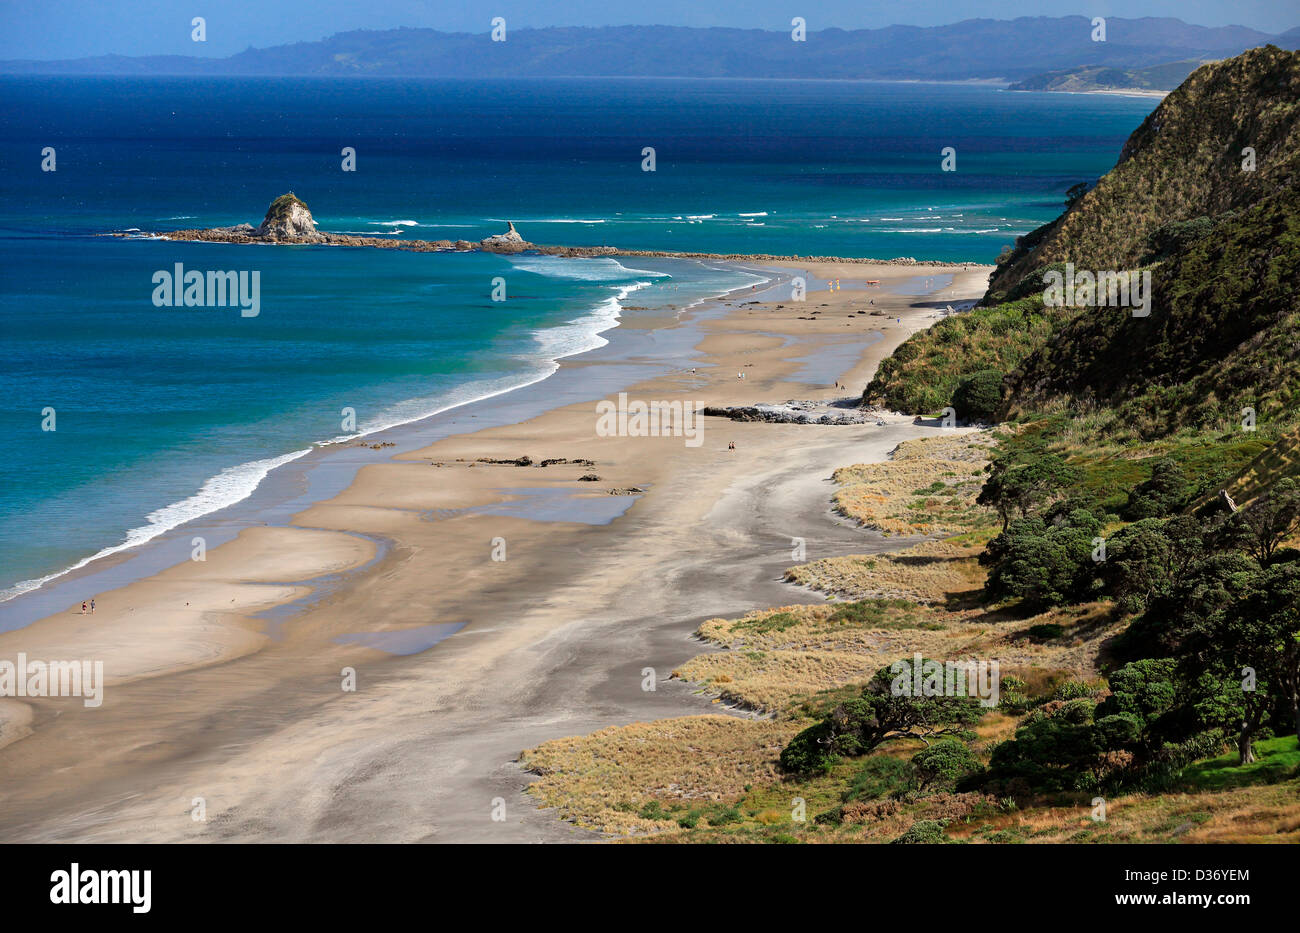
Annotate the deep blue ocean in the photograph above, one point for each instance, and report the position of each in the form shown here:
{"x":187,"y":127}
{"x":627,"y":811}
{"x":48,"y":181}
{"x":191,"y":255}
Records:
{"x":163,"y":414}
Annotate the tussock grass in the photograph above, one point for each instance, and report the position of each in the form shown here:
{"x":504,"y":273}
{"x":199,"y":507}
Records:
{"x":646,"y":777}
{"x":929,"y":572}
{"x":928,"y":487}
{"x":779,"y":660}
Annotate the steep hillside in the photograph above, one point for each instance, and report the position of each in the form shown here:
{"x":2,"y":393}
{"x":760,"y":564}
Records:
{"x":1221,"y":244}
{"x":1222,"y":334}
{"x":1183,"y":162}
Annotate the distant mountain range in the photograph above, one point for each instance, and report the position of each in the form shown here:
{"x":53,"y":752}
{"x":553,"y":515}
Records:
{"x":1023,"y":48}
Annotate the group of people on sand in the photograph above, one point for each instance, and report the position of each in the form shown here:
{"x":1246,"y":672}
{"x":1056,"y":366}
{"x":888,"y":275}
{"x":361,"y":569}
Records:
{"x":92,"y":605}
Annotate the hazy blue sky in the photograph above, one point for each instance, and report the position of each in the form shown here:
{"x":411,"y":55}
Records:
{"x":73,"y":28}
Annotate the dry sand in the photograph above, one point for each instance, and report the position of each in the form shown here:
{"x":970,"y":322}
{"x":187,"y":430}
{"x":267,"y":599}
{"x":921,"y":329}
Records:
{"x":206,"y":701}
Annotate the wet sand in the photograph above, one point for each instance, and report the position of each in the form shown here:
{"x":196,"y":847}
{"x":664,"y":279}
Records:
{"x":224,"y":678}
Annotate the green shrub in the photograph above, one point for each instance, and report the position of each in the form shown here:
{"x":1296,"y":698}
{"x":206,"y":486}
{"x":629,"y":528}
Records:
{"x":923,"y":832}
{"x":979,"y":395}
{"x":1042,"y":564}
{"x":944,"y":764}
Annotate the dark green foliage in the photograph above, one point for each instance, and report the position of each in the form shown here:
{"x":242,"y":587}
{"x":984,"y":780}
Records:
{"x":1043,"y":564}
{"x":1075,"y":192}
{"x":1200,"y":592}
{"x":1256,"y":634}
{"x":1145,"y":559}
{"x":1065,"y":749}
{"x":1146,"y":689}
{"x":944,"y":764}
{"x":1021,"y":481}
{"x":978,"y":396}
{"x":1166,"y":493}
{"x":883,"y":710}
{"x":1265,"y":523}
{"x":815,"y":750}
{"x":1170,"y":238}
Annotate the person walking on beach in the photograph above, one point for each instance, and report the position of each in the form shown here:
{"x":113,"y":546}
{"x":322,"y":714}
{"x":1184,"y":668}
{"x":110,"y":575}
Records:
{"x":83,"y":607}
{"x":92,"y":605}
{"x":731,"y":446}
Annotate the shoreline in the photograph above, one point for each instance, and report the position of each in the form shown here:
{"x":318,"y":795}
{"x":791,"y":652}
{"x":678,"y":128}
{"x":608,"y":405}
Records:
{"x":138,"y":536}
{"x":550,"y":641}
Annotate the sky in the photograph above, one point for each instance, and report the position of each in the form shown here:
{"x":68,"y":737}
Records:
{"x":52,"y":29}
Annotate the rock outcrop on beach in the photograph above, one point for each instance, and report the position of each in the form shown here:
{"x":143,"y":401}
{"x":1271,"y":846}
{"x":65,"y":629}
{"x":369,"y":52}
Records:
{"x":795,"y":412}
{"x":287,"y":219}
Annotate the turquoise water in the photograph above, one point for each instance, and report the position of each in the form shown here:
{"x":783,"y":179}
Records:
{"x":164,"y":414}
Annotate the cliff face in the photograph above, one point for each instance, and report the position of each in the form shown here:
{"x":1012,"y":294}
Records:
{"x":287,"y":219}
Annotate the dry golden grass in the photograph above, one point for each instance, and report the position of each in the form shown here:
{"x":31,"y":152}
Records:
{"x":824,"y":627}
{"x":927,"y":488}
{"x":929,"y":572}
{"x":603,"y":781}
{"x":1262,"y":813}
{"x":769,"y":681}
{"x":778,"y":657}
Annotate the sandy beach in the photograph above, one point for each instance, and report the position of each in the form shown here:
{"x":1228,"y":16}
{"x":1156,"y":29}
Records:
{"x":226,"y":679}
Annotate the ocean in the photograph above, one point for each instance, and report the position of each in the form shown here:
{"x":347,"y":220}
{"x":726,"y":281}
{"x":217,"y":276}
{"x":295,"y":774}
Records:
{"x":165,"y":414}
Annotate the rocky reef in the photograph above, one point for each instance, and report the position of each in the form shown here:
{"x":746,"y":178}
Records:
{"x":288,"y":220}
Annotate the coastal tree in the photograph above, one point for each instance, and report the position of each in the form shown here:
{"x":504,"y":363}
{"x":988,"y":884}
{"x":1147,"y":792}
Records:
{"x":1259,"y":633}
{"x":1075,"y":192}
{"x":877,"y":714}
{"x":1065,"y":747}
{"x":1020,"y":483}
{"x":1265,"y":523}
{"x":1043,"y":563}
{"x":978,"y":396}
{"x":1164,"y":494}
